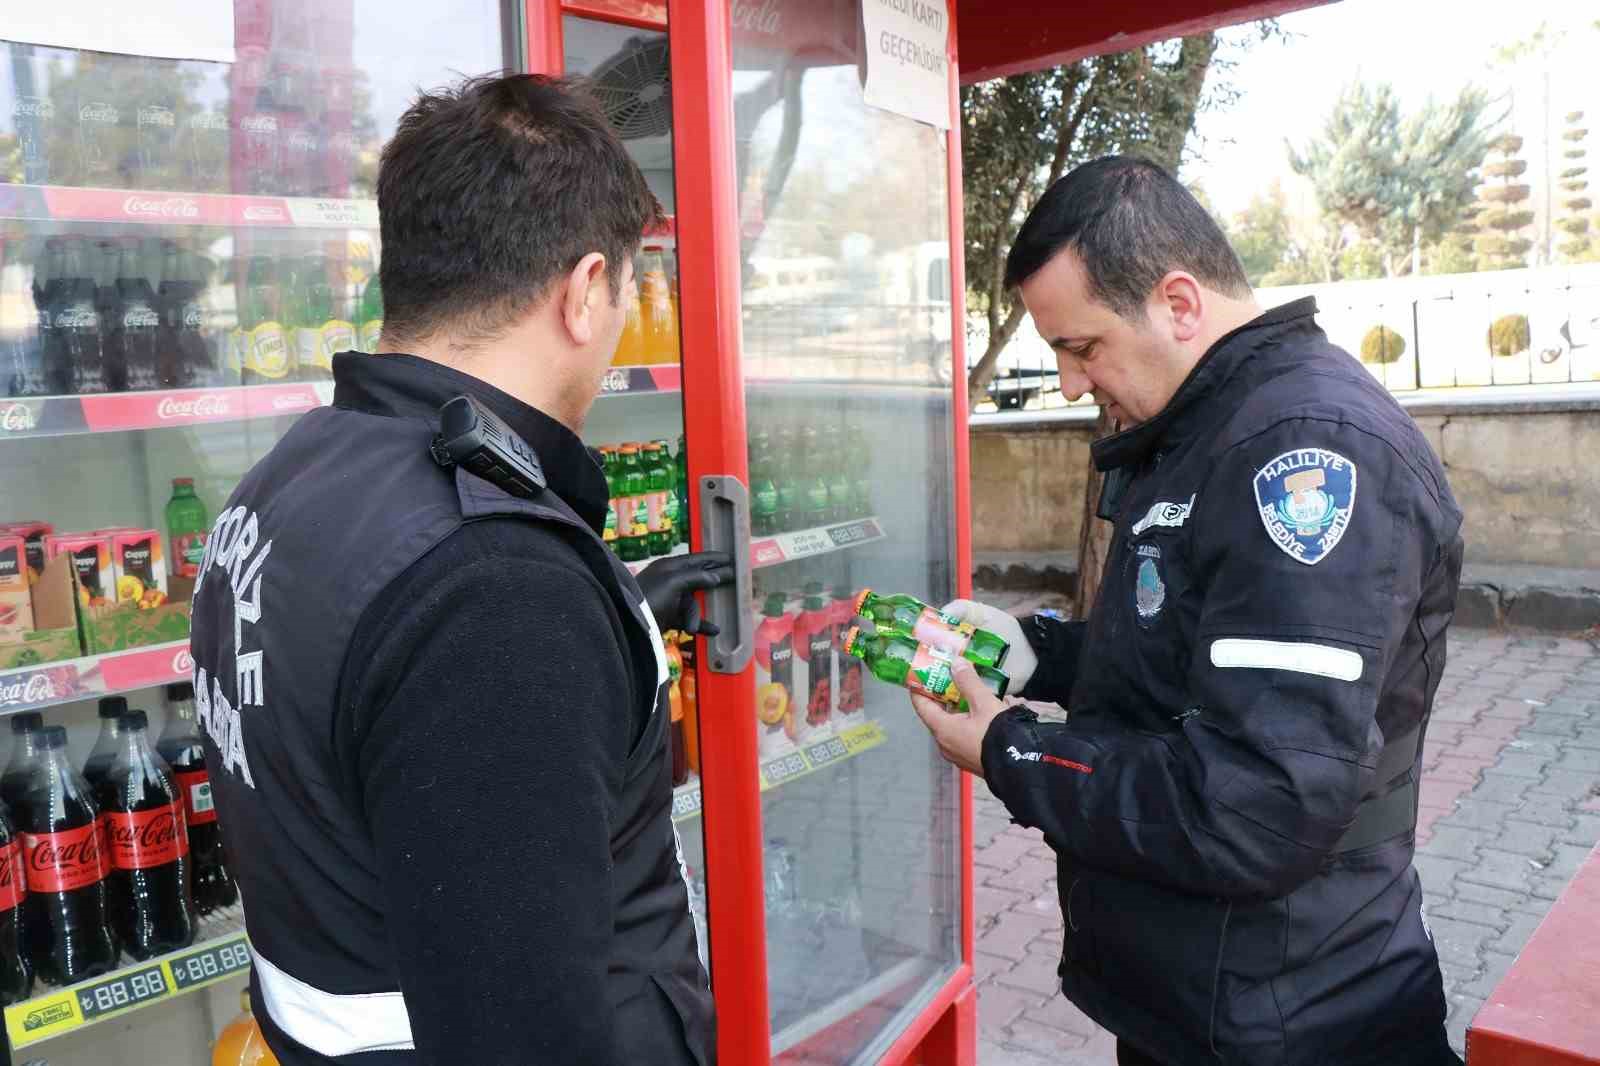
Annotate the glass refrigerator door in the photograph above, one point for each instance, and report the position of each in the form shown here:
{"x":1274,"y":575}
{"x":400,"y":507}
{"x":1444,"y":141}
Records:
{"x":846,"y":323}
{"x":185,"y":243}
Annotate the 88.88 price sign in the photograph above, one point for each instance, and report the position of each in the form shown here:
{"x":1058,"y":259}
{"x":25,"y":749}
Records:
{"x":128,"y":989}
{"x":211,"y":962}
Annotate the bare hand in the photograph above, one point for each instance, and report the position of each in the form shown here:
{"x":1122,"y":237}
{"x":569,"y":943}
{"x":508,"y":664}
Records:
{"x":960,"y":736}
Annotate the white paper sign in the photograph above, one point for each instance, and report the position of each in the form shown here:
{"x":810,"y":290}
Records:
{"x":166,"y":29}
{"x":908,"y":63}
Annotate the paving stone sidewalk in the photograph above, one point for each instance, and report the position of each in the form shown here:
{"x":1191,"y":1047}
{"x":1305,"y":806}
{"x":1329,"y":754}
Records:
{"x":1510,"y":808}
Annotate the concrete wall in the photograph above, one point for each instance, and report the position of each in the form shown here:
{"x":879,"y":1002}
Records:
{"x":1524,"y":465}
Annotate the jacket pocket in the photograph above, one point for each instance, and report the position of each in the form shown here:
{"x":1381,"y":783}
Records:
{"x":664,"y":1019}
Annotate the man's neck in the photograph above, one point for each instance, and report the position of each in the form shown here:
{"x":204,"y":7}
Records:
{"x":508,"y":365}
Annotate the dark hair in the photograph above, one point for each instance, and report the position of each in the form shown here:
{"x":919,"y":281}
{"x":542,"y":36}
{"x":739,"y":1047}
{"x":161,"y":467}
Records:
{"x":492,"y":189}
{"x":1131,"y":223}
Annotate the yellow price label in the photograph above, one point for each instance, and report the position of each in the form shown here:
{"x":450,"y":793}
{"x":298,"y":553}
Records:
{"x":859,"y":738}
{"x":41,"y":1018}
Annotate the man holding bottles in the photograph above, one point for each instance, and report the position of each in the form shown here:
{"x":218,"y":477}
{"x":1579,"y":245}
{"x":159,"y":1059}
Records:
{"x":435,"y":703}
{"x":1232,"y":798}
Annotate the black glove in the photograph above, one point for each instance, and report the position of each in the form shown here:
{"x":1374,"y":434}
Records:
{"x":669,"y":585}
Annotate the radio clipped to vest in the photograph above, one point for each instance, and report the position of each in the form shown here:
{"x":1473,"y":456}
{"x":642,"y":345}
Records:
{"x":473,"y":437}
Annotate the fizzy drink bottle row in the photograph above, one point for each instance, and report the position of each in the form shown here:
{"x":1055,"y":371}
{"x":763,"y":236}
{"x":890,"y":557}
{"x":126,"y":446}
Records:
{"x":801,"y":477}
{"x":119,"y":314}
{"x":118,"y":858}
{"x":905,"y":642}
{"x":647,"y":489}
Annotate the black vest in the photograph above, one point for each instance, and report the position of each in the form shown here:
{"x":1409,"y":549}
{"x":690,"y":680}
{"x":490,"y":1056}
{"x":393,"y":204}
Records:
{"x":345,"y":502}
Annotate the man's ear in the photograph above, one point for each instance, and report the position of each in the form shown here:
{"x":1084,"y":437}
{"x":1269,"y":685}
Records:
{"x":584,"y":286}
{"x":1180,"y":298}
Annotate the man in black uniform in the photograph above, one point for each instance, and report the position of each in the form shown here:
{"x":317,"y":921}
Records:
{"x":434,"y":702}
{"x":1233,"y":796}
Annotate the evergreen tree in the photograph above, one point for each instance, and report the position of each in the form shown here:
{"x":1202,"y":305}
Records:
{"x":1502,"y":219}
{"x":1580,"y":245}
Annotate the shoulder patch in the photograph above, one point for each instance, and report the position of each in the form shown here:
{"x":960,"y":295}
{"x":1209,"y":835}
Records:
{"x":1306,"y":498}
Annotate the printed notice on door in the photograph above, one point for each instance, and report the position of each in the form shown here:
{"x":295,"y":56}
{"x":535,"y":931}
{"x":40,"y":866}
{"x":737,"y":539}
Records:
{"x":908,"y":66}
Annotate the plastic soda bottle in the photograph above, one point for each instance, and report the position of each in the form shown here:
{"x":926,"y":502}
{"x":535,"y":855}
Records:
{"x":658,"y":495}
{"x":900,"y":660}
{"x":813,"y":479}
{"x":265,"y":355}
{"x":371,"y":315}
{"x":763,"y":487}
{"x":321,"y":330}
{"x":791,"y":508}
{"x":76,"y":324}
{"x":632,"y":521}
{"x":240,"y":1043}
{"x":860,"y":485}
{"x":914,"y":619}
{"x":187,"y":529}
{"x":135,"y":325}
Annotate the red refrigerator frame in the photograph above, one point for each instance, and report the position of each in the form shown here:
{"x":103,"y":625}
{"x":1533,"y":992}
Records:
{"x":944,"y":1033}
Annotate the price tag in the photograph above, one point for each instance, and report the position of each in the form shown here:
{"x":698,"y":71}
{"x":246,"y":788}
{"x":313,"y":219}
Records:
{"x":685,"y":804}
{"x":780,"y":770}
{"x":857,"y":532}
{"x":831,"y":750}
{"x":42,"y":1018}
{"x":355,"y":214}
{"x":808,"y":542}
{"x":864,"y":736}
{"x":121,"y":991}
{"x":210,"y":963}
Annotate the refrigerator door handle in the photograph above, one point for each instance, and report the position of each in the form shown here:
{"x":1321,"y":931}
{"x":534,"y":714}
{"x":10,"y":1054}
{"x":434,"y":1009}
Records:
{"x":725,"y":514}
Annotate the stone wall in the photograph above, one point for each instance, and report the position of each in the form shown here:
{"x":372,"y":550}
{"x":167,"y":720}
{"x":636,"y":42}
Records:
{"x":1524,"y":465}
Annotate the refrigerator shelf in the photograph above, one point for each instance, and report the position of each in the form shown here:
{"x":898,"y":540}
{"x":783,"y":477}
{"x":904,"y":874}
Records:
{"x":176,"y":208}
{"x":686,"y":799}
{"x":30,"y":688}
{"x":820,"y":540}
{"x":635,"y":380}
{"x":220,"y":950}
{"x":117,"y":412}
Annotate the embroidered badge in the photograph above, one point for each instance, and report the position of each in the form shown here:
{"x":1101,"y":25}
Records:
{"x":1306,"y":498}
{"x":1149,"y":591}
{"x":1164,"y":514}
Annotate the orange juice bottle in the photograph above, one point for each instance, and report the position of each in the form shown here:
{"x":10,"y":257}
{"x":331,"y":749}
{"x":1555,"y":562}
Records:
{"x":630,"y":347}
{"x":240,"y":1043}
{"x":660,"y":314}
{"x":688,"y":692}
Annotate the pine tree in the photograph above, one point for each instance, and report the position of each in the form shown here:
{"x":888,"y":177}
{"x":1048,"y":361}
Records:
{"x":1502,"y":218}
{"x":1580,"y":245}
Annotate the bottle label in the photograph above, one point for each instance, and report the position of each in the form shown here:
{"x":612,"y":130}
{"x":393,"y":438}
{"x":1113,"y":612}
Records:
{"x":195,"y":785}
{"x":941,"y":631}
{"x":318,"y":345}
{"x":142,"y":839}
{"x":188,"y":550}
{"x":370,"y":332}
{"x":819,"y":698}
{"x":930,"y":675}
{"x":64,"y":861}
{"x":655,"y":512}
{"x":817,"y":496}
{"x":788,"y":496}
{"x":610,"y":532}
{"x":13,"y":879}
{"x":766,"y":499}
{"x":626,"y":506}
{"x":266,"y":351}
{"x":140,"y":318}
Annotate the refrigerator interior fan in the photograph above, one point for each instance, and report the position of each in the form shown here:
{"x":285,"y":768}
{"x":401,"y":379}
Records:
{"x":635,"y":88}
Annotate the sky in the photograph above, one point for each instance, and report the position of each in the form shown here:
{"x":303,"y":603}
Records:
{"x":1422,"y":47}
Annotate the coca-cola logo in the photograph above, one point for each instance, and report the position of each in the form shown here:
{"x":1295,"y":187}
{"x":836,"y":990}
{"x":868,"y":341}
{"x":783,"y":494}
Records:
{"x":183,"y":663}
{"x":51,"y":853}
{"x":764,"y":18}
{"x":259,"y":124}
{"x":263,"y":213}
{"x":614,"y":381}
{"x":160,"y":831}
{"x":294,"y":402}
{"x":99,"y":111}
{"x":17,"y":418}
{"x":157,"y":116}
{"x":78,"y":318}
{"x":193,"y":317}
{"x":140,"y":318}
{"x":206,"y":121}
{"x":166,"y":207}
{"x":34,"y":107}
{"x":210,"y":405}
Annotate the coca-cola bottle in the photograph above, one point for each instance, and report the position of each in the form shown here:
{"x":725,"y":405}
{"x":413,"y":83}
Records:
{"x":108,"y":743}
{"x":189,"y":360}
{"x":21,"y":359}
{"x":135,"y":323}
{"x":148,"y":889}
{"x":47,"y":282}
{"x":65,"y":932}
{"x":76,"y":324}
{"x":180,"y":745}
{"x":16,"y":974}
{"x":25,"y":728}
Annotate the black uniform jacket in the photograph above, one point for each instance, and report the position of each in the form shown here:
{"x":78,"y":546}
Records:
{"x":1233,"y":796}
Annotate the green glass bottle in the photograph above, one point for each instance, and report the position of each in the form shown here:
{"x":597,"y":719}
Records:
{"x":915,"y":620}
{"x":860,"y":485}
{"x":633,"y":529}
{"x":681,"y":490}
{"x":371,"y":314}
{"x":813,"y":479}
{"x":900,"y":660}
{"x":608,"y":464}
{"x":763,"y":487}
{"x":265,"y":356}
{"x":786,"y":472}
{"x":659,"y":536}
{"x":320,"y":329}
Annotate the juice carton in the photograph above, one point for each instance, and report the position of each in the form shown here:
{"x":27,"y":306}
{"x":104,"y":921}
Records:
{"x":33,"y":533}
{"x":16,"y":601}
{"x":775,"y":680}
{"x":813,"y":638}
{"x":139,"y":569}
{"x":91,"y":557}
{"x":849,"y":698}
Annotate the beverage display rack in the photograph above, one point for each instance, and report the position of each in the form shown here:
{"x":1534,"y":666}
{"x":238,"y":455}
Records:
{"x":56,"y":203}
{"x":220,"y":950}
{"x":40,"y":685}
{"x":686,"y":799}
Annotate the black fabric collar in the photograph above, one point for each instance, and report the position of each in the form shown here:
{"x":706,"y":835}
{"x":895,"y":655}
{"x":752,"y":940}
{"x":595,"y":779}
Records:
{"x":1183,"y":413}
{"x":406,"y":386}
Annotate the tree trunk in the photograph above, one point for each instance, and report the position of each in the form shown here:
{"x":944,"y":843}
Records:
{"x":1094,"y":541}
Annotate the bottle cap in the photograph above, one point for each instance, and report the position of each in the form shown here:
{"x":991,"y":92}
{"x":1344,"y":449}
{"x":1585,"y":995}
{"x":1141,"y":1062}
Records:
{"x":113,"y":706}
{"x":189,"y":481}
{"x":135,"y":720}
{"x":26,"y":722}
{"x":773,"y":608}
{"x":852,"y":641}
{"x":861,"y":600}
{"x":53,"y":737}
{"x":183,"y":690}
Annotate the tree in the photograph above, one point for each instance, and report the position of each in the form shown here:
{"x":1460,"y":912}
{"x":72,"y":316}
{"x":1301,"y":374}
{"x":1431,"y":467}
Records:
{"x":1401,"y":181}
{"x":1580,"y":245}
{"x":1260,"y":233}
{"x":1501,"y":219}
